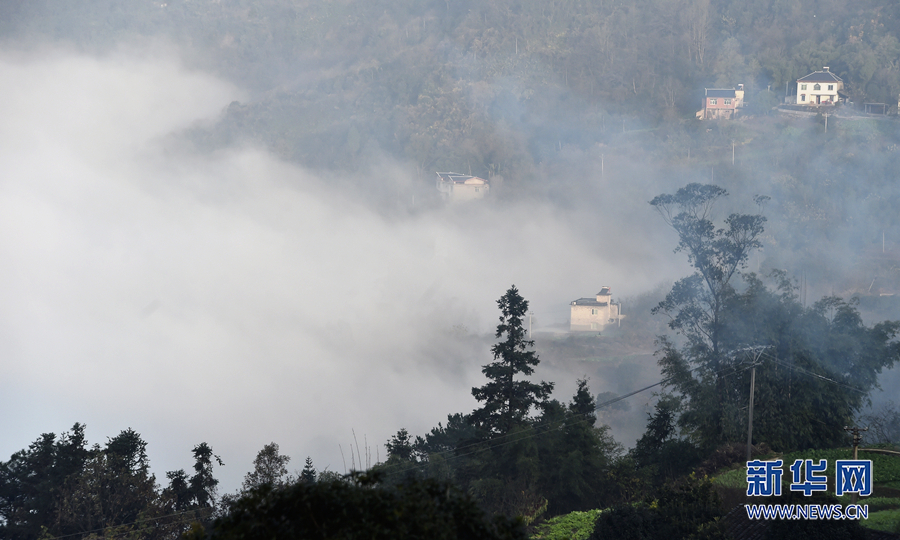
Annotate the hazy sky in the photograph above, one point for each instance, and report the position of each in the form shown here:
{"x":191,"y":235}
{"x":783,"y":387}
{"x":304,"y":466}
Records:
{"x":236,"y":299}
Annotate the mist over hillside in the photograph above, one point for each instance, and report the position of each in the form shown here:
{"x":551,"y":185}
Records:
{"x":233,"y":297}
{"x":220,"y":220}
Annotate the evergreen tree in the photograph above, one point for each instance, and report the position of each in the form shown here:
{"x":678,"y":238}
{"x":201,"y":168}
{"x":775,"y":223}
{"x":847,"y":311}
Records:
{"x":507,"y":401}
{"x":59,"y":487}
{"x":114,"y":491}
{"x":308,"y":474}
{"x":400,"y":446}
{"x":441,"y":439}
{"x":128,"y":451}
{"x":203,"y":483}
{"x":575,"y":456}
{"x":31,"y":480}
{"x":179,"y":490}
{"x":403,"y":458}
{"x":660,"y":455}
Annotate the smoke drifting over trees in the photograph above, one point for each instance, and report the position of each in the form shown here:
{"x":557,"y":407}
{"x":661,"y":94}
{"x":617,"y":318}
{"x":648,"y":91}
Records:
{"x":219,"y":220}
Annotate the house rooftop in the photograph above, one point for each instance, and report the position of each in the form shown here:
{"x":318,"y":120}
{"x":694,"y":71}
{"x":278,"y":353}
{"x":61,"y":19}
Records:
{"x":721,"y":92}
{"x":588,"y":302}
{"x":821,"y":76}
{"x":457,"y":178}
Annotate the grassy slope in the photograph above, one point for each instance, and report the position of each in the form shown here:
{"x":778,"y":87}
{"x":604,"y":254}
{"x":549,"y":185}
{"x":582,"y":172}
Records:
{"x":884,"y":504}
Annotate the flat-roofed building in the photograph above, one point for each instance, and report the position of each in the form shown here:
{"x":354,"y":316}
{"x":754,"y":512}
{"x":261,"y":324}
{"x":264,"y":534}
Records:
{"x":593,"y":313}
{"x":457,"y":187}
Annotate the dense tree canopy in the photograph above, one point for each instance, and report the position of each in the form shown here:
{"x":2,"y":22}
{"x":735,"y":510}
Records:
{"x":360,"y":509}
{"x":59,"y":486}
{"x":696,"y":304}
{"x":269,"y":467}
{"x":816,"y":364}
{"x":30,"y":479}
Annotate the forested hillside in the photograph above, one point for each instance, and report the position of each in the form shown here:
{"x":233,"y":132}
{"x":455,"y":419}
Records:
{"x":494,"y":85}
{"x":543,"y":95}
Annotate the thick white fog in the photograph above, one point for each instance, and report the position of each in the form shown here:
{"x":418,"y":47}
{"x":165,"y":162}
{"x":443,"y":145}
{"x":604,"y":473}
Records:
{"x":236,"y":299}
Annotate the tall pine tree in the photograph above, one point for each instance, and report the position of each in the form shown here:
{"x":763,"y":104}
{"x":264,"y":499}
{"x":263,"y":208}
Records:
{"x":507,"y":401}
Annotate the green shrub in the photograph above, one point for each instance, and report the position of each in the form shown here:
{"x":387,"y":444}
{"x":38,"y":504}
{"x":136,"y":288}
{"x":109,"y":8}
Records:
{"x":885,"y":520}
{"x":571,"y":526}
{"x":690,"y":509}
{"x":360,"y":509}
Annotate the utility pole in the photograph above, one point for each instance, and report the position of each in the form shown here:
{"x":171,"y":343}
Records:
{"x":750,"y":423}
{"x":856,"y":438}
{"x":750,"y":408}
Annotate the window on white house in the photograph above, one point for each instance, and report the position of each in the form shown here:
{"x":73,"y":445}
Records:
{"x":817,"y":86}
{"x":802,"y":87}
{"x":595,"y":326}
{"x":593,"y":312}
{"x":802,"y":97}
{"x":831,"y":87}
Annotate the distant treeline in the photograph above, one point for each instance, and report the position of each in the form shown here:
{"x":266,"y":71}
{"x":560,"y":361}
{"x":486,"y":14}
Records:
{"x":448,"y":83}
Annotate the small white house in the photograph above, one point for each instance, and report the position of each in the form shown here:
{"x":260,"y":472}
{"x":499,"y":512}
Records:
{"x":457,"y":187}
{"x":819,"y":88}
{"x":594,"y":313}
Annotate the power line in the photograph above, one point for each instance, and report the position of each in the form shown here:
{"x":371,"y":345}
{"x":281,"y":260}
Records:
{"x":812,"y":374}
{"x":186,"y":516}
{"x":534,"y":431}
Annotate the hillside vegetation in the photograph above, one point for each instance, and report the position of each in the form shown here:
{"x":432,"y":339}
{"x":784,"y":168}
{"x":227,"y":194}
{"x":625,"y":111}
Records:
{"x":544,"y":95}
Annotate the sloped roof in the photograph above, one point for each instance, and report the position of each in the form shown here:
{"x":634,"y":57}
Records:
{"x":720,"y":92}
{"x":820,"y":76}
